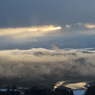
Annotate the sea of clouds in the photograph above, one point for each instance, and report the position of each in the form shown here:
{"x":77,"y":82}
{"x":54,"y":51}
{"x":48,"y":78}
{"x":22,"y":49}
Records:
{"x":40,"y":66}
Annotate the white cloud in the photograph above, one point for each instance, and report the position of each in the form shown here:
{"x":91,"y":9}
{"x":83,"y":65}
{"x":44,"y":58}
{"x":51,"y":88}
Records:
{"x":68,"y":26}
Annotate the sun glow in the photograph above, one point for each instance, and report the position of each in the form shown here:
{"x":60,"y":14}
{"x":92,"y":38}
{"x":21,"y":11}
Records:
{"x":58,"y":84}
{"x":26,"y":32}
{"x":89,"y":25}
{"x":77,"y":85}
{"x":71,"y":85}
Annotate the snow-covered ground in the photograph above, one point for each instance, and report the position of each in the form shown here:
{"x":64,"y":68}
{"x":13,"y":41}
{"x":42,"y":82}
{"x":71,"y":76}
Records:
{"x":79,"y":92}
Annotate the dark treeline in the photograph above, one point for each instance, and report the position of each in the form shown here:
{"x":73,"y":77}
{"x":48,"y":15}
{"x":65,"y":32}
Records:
{"x":45,"y":91}
{"x":90,"y":90}
{"x":8,"y":92}
{"x":39,"y":91}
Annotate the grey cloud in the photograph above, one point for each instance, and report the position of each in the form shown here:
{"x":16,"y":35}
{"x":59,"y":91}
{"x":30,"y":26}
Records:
{"x":27,"y":13}
{"x":59,"y":13}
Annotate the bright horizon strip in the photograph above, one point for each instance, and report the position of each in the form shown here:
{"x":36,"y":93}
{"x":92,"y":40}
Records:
{"x":78,"y":85}
{"x":39,"y":29}
{"x":89,"y":25}
{"x":58,"y":84}
{"x":28,"y":32}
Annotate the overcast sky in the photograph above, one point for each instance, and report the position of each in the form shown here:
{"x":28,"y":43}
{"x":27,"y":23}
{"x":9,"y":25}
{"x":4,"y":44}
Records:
{"x":24,"y":21}
{"x":43,"y":28}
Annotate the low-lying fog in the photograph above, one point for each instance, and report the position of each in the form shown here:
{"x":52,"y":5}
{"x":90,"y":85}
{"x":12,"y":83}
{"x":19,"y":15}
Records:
{"x":40,"y":66}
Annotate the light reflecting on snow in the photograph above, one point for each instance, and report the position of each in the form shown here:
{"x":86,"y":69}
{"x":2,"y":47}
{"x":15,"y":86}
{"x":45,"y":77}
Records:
{"x":79,"y":92}
{"x":76,"y":85}
{"x":79,"y":85}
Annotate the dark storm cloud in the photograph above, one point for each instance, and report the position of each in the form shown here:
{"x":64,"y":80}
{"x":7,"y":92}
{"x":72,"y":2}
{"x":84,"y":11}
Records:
{"x":45,"y":12}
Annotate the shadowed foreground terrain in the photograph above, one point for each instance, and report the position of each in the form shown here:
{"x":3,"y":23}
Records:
{"x":62,"y":90}
{"x":35,"y":91}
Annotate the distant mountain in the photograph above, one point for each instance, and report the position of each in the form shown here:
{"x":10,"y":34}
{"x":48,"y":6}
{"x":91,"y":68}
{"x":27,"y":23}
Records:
{"x":76,"y":42}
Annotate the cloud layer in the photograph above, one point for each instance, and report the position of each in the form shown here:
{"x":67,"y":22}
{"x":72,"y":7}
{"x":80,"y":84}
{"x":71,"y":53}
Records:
{"x":32,"y":13}
{"x":47,"y":66}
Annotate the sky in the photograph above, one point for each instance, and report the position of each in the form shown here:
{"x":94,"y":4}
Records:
{"x":32,"y":24}
{"x":47,"y":41}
